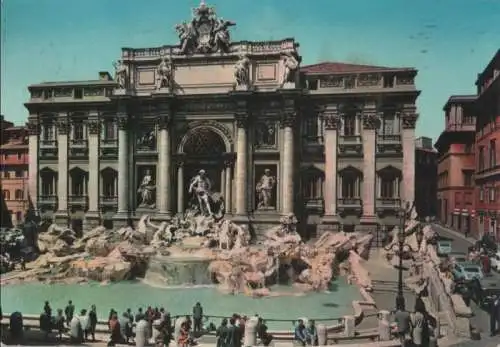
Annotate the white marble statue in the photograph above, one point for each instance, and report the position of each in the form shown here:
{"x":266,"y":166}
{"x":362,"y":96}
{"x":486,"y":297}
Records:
{"x":146,"y":190}
{"x":242,"y":71}
{"x":221,"y":37}
{"x":120,"y":74}
{"x":290,"y":67}
{"x":164,"y":74}
{"x":200,"y":187}
{"x":265,"y":188}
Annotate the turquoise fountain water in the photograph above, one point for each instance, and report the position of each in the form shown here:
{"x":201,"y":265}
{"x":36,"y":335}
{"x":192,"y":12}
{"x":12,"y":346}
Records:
{"x":29,"y":298}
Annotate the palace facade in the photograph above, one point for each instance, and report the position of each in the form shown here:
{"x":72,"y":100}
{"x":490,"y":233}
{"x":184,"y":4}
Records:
{"x":333,"y":143}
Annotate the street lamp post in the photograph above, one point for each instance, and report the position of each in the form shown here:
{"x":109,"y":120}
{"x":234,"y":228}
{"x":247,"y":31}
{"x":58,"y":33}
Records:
{"x":400,"y":299}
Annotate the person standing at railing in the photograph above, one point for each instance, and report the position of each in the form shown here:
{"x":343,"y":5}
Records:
{"x":69,"y":311}
{"x":59,"y":323}
{"x":222,"y":333}
{"x":47,"y":309}
{"x":197,"y":318}
{"x":300,"y":333}
{"x":93,"y":321}
{"x":234,"y":334}
{"x":311,"y":333}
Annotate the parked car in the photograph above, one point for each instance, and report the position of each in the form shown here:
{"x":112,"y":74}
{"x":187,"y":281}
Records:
{"x":467,"y":271}
{"x":495,"y":261}
{"x":443,"y":247}
{"x":458,"y":257}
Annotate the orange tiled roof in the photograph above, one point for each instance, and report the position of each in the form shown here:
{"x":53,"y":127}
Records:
{"x":336,"y":67}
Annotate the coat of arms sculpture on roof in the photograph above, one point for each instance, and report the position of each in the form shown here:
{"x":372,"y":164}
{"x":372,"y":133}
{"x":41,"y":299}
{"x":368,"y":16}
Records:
{"x":205,"y":33}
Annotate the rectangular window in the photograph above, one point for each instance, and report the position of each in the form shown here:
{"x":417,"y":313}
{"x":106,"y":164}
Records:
{"x":493,"y":154}
{"x":481,"y":159}
{"x":387,"y":188}
{"x":388,"y":81}
{"x":48,"y":132}
{"x":78,"y":93}
{"x":467,"y":178}
{"x":109,"y":130}
{"x":468,"y":148}
{"x":349,"y":125}
{"x":19,"y":174}
{"x":492,"y":194}
{"x":481,"y":194}
{"x":78,"y":131}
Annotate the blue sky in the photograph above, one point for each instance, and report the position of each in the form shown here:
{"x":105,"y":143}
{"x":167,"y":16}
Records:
{"x":448,"y":41}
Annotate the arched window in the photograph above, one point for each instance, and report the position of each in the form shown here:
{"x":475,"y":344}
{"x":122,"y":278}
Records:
{"x":6,"y":194}
{"x":19,"y":194}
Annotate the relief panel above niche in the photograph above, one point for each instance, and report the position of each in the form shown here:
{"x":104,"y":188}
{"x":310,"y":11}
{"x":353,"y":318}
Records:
{"x":204,"y":74}
{"x":266,"y":72}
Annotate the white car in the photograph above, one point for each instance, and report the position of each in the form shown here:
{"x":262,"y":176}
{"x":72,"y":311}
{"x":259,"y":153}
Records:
{"x":495,"y":261}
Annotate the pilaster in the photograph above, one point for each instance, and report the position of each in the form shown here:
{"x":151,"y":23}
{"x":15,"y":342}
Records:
{"x":63,"y":129}
{"x":332,"y":123}
{"x":123,"y":212}
{"x":92,"y":217}
{"x":33,"y":167}
{"x":287,"y":124}
{"x":180,"y":185}
{"x":241,"y":176}
{"x":228,"y":196}
{"x":164,"y":175}
{"x":371,"y":122}
{"x":409,"y":121}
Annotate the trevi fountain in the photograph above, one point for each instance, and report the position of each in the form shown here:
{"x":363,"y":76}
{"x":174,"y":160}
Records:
{"x":198,"y":256}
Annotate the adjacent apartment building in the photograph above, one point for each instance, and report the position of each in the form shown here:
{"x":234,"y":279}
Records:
{"x":14,"y":170}
{"x":456,"y":164}
{"x":487,"y":175}
{"x":425,"y":178}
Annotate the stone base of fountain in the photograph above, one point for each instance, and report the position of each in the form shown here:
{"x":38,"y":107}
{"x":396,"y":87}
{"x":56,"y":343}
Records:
{"x":177,"y":271}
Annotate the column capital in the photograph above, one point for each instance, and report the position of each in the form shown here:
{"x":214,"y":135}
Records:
{"x":370,"y":119}
{"x":163,"y":120}
{"x":241,"y":120}
{"x":122,"y":120}
{"x":33,"y":128}
{"x":63,"y":126}
{"x":288,"y":119}
{"x":409,"y":120}
{"x":94,"y":126}
{"x":332,"y":120}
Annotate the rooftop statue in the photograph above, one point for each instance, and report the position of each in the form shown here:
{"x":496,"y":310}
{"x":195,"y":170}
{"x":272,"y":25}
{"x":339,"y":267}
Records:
{"x":204,"y":33}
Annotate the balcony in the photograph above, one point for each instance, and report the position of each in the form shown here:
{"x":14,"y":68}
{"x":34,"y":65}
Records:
{"x":350,"y":144}
{"x":78,"y":200}
{"x":49,"y":201}
{"x":48,"y":143}
{"x":108,"y":201}
{"x":345,"y":204}
{"x":315,"y":204}
{"x":459,"y":127}
{"x":388,"y":204}
{"x":78,"y":149}
{"x":389,"y":143}
{"x":109,"y":148}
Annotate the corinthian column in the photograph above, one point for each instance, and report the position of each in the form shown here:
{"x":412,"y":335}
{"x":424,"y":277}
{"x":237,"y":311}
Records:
{"x":408,"y":137}
{"x":241,"y":167}
{"x":123,"y":168}
{"x":288,"y":162}
{"x":370,"y":124}
{"x":164,"y":168}
{"x":63,"y":128}
{"x":34,"y":177}
{"x":92,"y":216}
{"x":228,"y":188}
{"x":332,"y":121}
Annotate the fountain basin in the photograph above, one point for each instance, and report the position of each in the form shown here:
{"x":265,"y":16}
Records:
{"x":278,"y":311}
